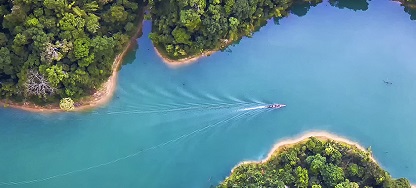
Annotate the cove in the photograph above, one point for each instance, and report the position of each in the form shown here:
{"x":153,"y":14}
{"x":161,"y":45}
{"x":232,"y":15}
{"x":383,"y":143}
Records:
{"x":327,"y":66}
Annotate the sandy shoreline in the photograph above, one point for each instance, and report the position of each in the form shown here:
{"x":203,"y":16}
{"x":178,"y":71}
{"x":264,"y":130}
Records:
{"x":183,"y":61}
{"x":102,"y":96}
{"x":321,"y":135}
{"x":190,"y":59}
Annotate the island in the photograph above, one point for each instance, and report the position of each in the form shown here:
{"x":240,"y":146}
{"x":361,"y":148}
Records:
{"x":316,"y":159}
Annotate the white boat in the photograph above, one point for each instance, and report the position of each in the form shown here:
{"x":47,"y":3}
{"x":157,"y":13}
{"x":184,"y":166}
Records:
{"x":276,"y":106}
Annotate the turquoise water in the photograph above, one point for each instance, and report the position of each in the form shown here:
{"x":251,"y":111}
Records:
{"x":185,"y":127}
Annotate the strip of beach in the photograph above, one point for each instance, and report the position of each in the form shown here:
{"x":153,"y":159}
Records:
{"x":183,"y":61}
{"x":101,"y":97}
{"x":320,"y":135}
{"x":188,"y":60}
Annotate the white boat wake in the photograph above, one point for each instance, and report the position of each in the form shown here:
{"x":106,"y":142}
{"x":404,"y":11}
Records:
{"x":271,"y":106}
{"x":253,"y":108}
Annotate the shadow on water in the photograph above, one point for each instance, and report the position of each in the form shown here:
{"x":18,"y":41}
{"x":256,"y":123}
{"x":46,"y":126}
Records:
{"x":352,"y":5}
{"x":131,"y":56}
{"x":301,"y":8}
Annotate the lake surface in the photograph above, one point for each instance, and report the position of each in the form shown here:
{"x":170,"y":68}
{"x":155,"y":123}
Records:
{"x":186,"y":127}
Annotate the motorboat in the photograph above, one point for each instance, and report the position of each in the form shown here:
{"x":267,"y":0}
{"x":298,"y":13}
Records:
{"x":276,"y":106}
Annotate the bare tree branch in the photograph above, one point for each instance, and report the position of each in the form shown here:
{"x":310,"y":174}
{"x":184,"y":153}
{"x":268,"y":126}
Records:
{"x":54,"y":51}
{"x":37,"y":84}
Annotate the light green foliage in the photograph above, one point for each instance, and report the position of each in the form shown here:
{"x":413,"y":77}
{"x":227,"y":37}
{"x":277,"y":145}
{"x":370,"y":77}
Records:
{"x":290,"y":157}
{"x":332,"y":174}
{"x":316,"y":163}
{"x":333,"y":154}
{"x":59,"y":6}
{"x":234,"y":23}
{"x":180,"y":35}
{"x":66,"y":104}
{"x":190,"y":18}
{"x":353,"y":170}
{"x":313,"y":170}
{"x":347,"y":184}
{"x":78,"y":11}
{"x":401,"y":182}
{"x":71,"y":22}
{"x":92,"y":23}
{"x":81,"y":48}
{"x":91,"y":7}
{"x":198,"y":5}
{"x":20,"y":40}
{"x":229,"y":5}
{"x":116,"y":14}
{"x":286,"y":175}
{"x":84,"y":62}
{"x":55,"y":75}
{"x":32,"y":22}
{"x":302,"y":178}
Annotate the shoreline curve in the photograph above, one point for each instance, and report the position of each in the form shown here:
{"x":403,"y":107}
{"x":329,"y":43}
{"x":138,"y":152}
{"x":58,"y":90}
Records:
{"x":290,"y":141}
{"x":188,"y":60}
{"x":184,"y":61}
{"x":100,"y":97}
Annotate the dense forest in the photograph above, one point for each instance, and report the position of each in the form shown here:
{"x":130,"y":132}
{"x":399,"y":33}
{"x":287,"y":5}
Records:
{"x":55,"y":49}
{"x":51,"y":49}
{"x":183,"y":28}
{"x":315,"y":163}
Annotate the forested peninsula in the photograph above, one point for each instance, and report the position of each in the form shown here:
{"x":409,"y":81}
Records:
{"x":185,"y":29}
{"x":322,"y":160}
{"x":66,"y":51}
{"x":61,"y":49}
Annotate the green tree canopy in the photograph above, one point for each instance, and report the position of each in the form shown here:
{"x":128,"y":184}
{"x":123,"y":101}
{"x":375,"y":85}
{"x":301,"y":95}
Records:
{"x":304,"y":165}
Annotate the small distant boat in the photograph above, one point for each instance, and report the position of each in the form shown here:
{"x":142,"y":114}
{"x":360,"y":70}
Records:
{"x":276,"y":106}
{"x":387,"y":82}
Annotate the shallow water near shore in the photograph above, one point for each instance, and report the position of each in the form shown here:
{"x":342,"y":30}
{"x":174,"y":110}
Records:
{"x":185,"y":127}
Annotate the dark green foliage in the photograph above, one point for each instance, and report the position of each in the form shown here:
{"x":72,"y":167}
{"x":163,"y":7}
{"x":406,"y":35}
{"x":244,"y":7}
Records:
{"x":305,"y":165}
{"x":71,"y":44}
{"x":183,"y":28}
{"x":186,"y":27}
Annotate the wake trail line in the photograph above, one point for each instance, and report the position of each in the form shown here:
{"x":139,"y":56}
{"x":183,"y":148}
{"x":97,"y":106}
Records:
{"x":213,"y":106}
{"x":122,"y":158}
{"x":253,"y":108}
